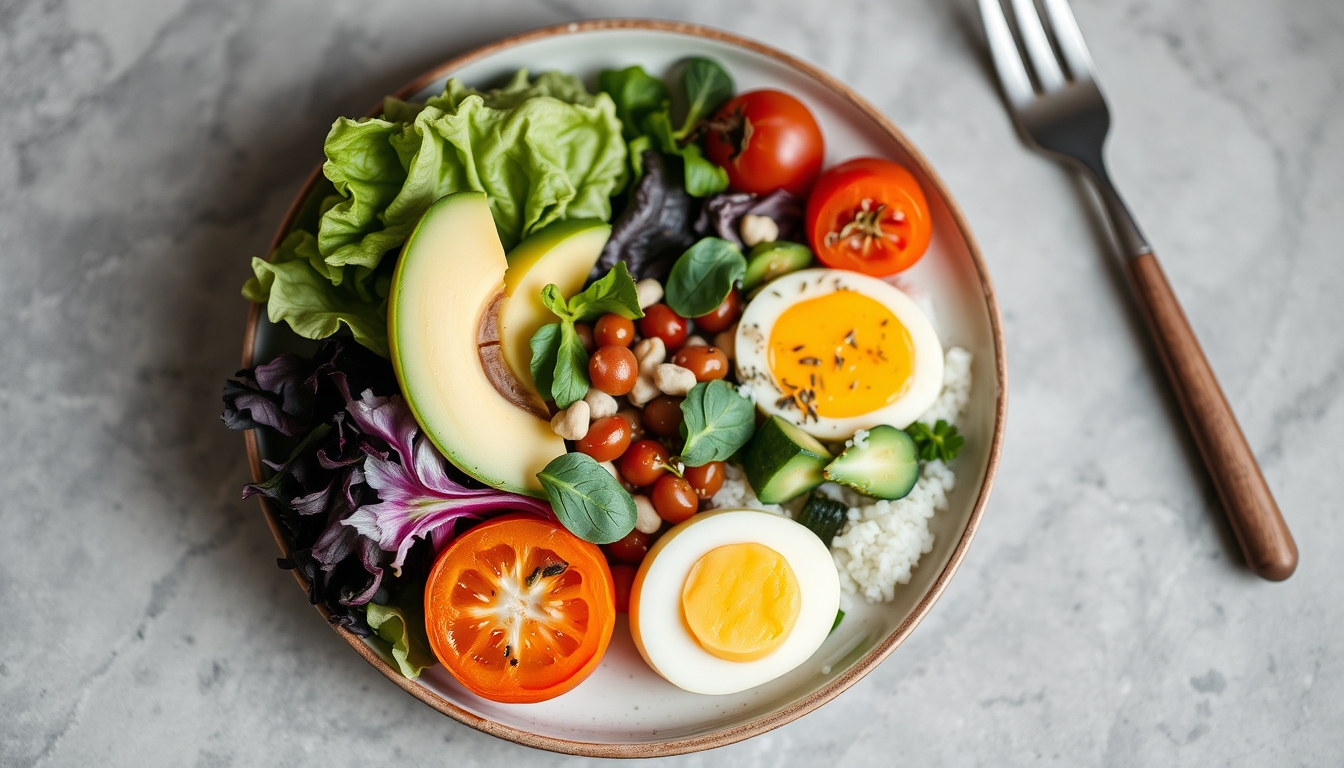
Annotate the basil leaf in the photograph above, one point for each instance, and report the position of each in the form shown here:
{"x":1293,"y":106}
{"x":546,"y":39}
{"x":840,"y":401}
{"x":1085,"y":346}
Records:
{"x":587,"y":499}
{"x":636,"y":94}
{"x":551,"y":298}
{"x":545,"y":344}
{"x":703,"y":276}
{"x":707,"y":86}
{"x":615,"y":293}
{"x":571,"y":368}
{"x":703,"y":177}
{"x":716,"y":421}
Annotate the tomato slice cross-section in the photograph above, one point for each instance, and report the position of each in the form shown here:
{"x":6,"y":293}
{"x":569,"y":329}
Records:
{"x":519,"y":609}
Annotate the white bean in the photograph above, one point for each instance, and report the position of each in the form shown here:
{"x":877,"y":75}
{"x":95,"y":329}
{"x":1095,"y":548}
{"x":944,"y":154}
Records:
{"x":695,"y":341}
{"x":649,"y":354}
{"x":646,"y":517}
{"x":571,"y":423}
{"x":758,"y":229}
{"x":600,"y":404}
{"x":644,"y":391}
{"x":672,"y":379}
{"x":650,"y":292}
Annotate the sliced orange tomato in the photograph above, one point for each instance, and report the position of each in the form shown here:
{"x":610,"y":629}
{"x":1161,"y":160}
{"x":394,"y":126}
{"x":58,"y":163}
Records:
{"x":868,"y":215}
{"x":519,"y":609}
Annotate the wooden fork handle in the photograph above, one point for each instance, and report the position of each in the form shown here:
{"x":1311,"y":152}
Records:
{"x":1259,"y":527}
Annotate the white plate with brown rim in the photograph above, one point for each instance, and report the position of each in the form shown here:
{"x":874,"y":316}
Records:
{"x":625,"y":709}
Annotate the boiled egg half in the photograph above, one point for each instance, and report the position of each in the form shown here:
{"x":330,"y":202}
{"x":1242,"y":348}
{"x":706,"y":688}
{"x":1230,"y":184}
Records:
{"x":835,"y":352}
{"x":732,"y":599}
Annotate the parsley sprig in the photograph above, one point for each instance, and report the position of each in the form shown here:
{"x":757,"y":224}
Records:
{"x":940,"y":441}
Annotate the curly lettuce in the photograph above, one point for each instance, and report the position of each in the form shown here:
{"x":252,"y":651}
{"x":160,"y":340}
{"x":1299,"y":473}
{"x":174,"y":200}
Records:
{"x":542,"y":150}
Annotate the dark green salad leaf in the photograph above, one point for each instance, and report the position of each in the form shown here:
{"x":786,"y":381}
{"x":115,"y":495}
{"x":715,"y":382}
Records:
{"x":587,"y":499}
{"x":708,"y":85}
{"x":636,"y":94}
{"x":716,"y":422}
{"x":940,"y":441}
{"x":559,"y":362}
{"x":704,"y":276}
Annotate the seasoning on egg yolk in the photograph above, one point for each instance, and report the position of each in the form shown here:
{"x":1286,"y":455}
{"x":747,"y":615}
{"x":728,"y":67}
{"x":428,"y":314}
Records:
{"x":843,"y":354}
{"x":741,"y":601}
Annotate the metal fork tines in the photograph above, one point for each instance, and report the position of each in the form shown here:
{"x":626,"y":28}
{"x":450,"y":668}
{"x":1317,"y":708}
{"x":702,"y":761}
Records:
{"x":1064,"y":113}
{"x":1061,"y":112}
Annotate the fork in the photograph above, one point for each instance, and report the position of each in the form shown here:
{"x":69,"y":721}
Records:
{"x":1064,"y":115}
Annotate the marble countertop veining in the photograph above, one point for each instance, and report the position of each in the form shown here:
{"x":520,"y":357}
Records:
{"x":1102,"y":617}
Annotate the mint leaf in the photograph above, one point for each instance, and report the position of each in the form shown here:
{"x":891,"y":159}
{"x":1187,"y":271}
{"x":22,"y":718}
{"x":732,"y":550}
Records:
{"x":571,"y":368}
{"x":716,"y":422}
{"x":615,"y":293}
{"x":703,"y":276}
{"x":545,"y":345}
{"x":587,"y":499}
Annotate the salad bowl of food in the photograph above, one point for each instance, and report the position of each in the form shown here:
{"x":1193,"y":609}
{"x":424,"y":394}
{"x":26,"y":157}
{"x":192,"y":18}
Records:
{"x":623,"y":388}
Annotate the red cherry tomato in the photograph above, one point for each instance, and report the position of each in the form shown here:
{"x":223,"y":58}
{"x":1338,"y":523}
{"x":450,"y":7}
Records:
{"x":723,"y":316}
{"x":613,"y":331}
{"x":643,"y":463}
{"x":706,"y":479}
{"x":623,"y":577}
{"x":585,"y":334}
{"x":631,"y":549}
{"x":766,"y":140}
{"x":663,"y":415}
{"x":606,"y":439}
{"x":868,"y":215}
{"x":674,"y":499}
{"x":613,"y":370}
{"x":660,"y":321}
{"x":707,"y":363}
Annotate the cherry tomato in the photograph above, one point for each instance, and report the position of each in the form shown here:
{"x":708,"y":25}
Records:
{"x":623,"y":576}
{"x":613,"y":370}
{"x":613,"y":331}
{"x":722,"y":317}
{"x":607,"y":439}
{"x":766,"y":140}
{"x":631,"y":549}
{"x":643,"y":463}
{"x":674,"y":499}
{"x":659,"y":320}
{"x":499,"y":595}
{"x":706,"y":479}
{"x":663,"y":415}
{"x":868,"y":215}
{"x":585,"y":333}
{"x":707,"y":363}
{"x":636,"y":420}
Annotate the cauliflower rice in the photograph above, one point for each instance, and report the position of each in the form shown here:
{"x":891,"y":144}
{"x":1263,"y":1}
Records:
{"x":881,"y":542}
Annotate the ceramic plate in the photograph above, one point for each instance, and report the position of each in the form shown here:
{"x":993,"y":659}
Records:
{"x":625,"y":709}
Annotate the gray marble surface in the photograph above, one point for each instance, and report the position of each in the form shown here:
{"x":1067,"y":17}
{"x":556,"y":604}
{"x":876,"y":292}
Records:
{"x":147,"y":150}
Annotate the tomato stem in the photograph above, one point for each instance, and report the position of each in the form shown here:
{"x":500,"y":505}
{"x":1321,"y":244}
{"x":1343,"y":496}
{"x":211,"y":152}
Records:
{"x":735,"y":130}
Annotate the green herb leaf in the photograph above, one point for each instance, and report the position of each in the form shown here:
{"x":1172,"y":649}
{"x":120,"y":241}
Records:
{"x":587,"y":499}
{"x":707,"y":86}
{"x":703,"y":276}
{"x":636,"y":94}
{"x":545,"y":345}
{"x":716,"y":422}
{"x":940,"y":441}
{"x":571,"y":368}
{"x":703,"y":177}
{"x":551,"y":298}
{"x":615,"y":293}
{"x":402,"y":626}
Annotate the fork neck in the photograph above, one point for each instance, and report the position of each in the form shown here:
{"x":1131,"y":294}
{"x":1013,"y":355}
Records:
{"x":1132,"y":242}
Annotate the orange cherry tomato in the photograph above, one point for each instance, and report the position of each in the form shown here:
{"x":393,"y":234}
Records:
{"x":613,"y":331}
{"x":519,"y":609}
{"x":663,"y":416}
{"x":643,"y":463}
{"x":674,"y":499}
{"x":706,"y":479}
{"x":613,"y":370}
{"x":707,"y":363}
{"x":868,"y":215}
{"x":606,"y":439}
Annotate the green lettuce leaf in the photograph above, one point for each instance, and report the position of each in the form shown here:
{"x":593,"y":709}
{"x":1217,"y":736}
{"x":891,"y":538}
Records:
{"x":403,"y":627}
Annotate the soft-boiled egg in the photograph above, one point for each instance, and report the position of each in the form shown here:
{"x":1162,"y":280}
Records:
{"x":732,"y":599}
{"x":835,"y":352}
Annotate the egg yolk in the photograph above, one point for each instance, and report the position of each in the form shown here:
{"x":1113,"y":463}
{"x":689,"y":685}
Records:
{"x":740,"y":601}
{"x":839,"y":355}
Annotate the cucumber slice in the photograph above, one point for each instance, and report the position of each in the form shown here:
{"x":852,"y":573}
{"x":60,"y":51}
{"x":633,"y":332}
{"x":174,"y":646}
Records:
{"x":783,"y":462}
{"x":823,"y":516}
{"x":886,"y":466}
{"x":766,"y":261}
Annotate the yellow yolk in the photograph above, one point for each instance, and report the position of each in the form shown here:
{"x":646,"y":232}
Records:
{"x":741,"y":601}
{"x":842,"y":354}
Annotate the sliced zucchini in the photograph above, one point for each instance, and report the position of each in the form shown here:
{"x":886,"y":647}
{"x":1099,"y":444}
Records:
{"x":766,"y":261}
{"x":783,"y":462}
{"x":885,"y":465}
{"x":823,"y":516}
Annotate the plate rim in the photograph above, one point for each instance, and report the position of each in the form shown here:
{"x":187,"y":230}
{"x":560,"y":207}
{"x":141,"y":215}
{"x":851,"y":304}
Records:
{"x":879,"y":651}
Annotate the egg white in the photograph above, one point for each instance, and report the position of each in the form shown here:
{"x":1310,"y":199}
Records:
{"x":758,"y":321}
{"x":659,"y":628}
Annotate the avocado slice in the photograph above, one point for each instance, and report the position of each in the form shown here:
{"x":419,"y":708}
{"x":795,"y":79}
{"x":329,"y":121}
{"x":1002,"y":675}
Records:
{"x":884,"y":465}
{"x":450,"y":274}
{"x":766,"y":261}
